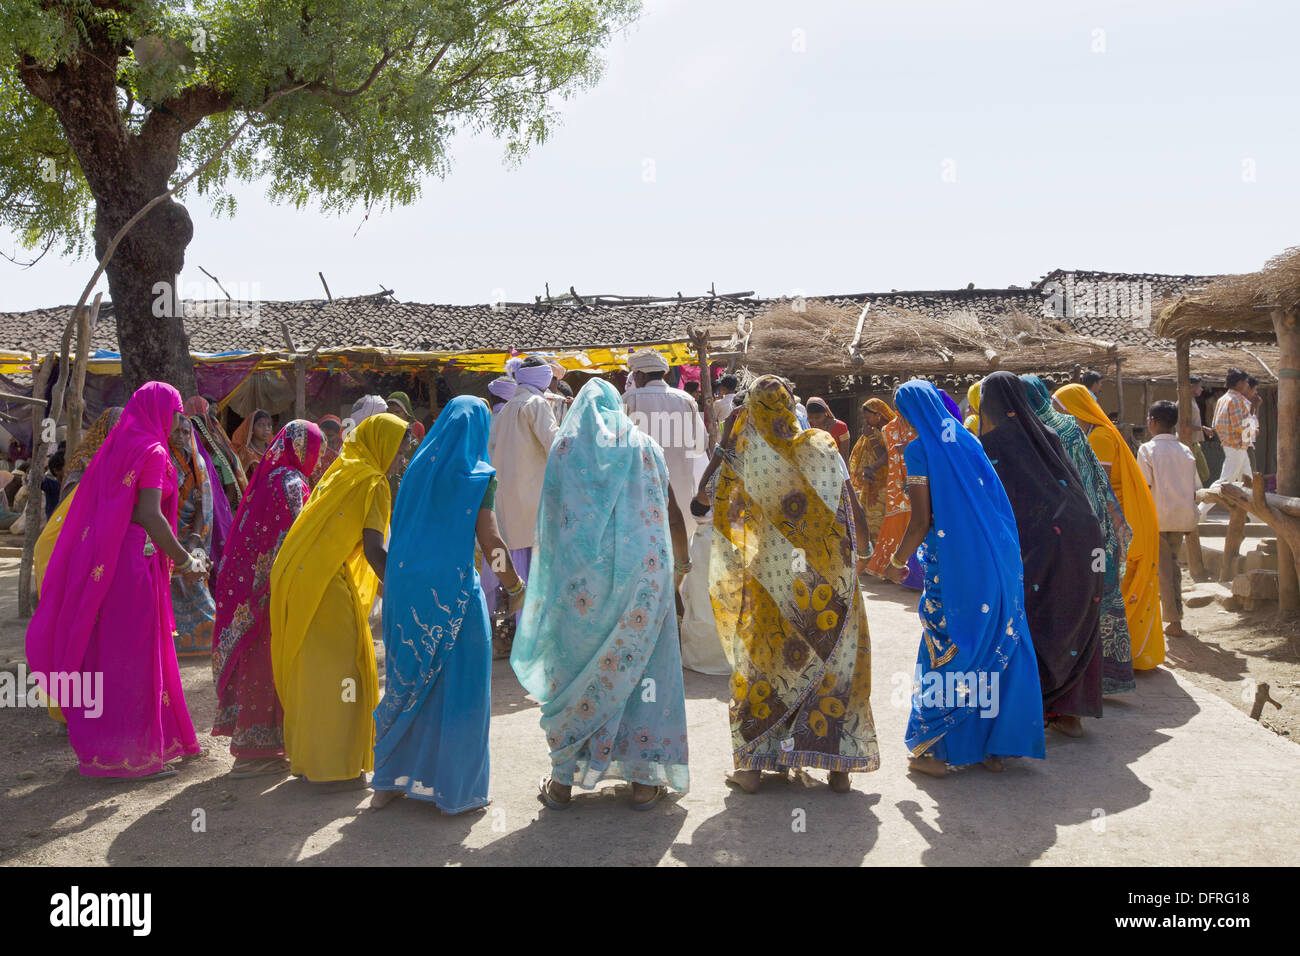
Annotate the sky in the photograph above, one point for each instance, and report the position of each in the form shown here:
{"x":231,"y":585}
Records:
{"x":827,"y":146}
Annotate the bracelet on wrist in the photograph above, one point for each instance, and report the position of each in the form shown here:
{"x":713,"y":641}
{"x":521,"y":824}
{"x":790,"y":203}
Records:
{"x":517,"y":588}
{"x":893,"y":562}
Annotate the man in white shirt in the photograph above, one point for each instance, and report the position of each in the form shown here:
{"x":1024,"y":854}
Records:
{"x":723,"y":405}
{"x":520,"y":440}
{"x":1169,"y":468}
{"x":671,"y":418}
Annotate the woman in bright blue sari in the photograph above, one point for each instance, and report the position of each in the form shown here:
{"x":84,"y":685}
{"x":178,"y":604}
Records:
{"x":597,"y":643}
{"x":976,"y":697}
{"x":431,"y":728}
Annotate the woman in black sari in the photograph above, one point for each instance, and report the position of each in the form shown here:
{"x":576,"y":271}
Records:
{"x":1060,"y":541}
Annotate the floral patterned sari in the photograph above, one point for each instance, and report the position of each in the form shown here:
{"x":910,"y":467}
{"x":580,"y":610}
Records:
{"x":785,"y":596}
{"x":871,"y":493}
{"x":597,"y":642}
{"x":248,"y":709}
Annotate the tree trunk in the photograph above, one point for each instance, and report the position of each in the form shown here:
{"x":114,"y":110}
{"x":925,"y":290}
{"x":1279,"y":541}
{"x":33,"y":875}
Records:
{"x":35,"y":498}
{"x":1287,"y":326}
{"x":142,"y":278}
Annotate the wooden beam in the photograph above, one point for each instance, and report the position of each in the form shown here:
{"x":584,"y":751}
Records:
{"x":76,"y":407}
{"x":300,"y":387}
{"x":1119,"y":389}
{"x":1286,"y":324}
{"x":35,"y":500}
{"x":706,"y":387}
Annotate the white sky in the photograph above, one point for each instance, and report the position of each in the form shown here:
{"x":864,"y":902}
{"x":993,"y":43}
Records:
{"x":822,"y":171}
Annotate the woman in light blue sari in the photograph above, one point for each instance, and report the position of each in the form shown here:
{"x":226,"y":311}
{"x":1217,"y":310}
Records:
{"x":431,"y":727}
{"x":976,"y":697}
{"x":597,"y":643}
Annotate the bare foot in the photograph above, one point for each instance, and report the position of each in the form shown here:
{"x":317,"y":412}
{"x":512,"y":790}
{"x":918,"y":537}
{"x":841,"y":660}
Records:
{"x":383,"y":798}
{"x":1175,"y":630}
{"x":838,"y":780}
{"x":994,"y":764}
{"x":928,"y":765}
{"x":1068,"y":724}
{"x":746,"y":780}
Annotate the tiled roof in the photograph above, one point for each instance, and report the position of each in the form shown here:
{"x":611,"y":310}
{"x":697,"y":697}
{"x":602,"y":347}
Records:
{"x":1113,"y":306}
{"x":1119,"y":306}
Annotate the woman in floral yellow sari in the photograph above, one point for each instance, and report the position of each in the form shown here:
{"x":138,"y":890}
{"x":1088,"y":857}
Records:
{"x":868,"y":461}
{"x":323,"y":582}
{"x":786,"y":599}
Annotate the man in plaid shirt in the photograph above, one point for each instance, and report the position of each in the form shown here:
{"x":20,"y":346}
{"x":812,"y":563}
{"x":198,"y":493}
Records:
{"x":1230,"y":416}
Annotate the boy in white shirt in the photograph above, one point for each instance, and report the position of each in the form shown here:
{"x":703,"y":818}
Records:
{"x":1169,"y":468}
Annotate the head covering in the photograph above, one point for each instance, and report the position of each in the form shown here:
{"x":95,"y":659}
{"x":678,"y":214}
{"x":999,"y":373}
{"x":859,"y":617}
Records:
{"x":324,"y":538}
{"x":786,"y":626}
{"x":417,"y":430}
{"x":587,"y":613}
{"x":535,"y":376}
{"x":432,"y":597}
{"x":978,"y":553}
{"x":220,"y":449}
{"x":973,"y":397}
{"x":503,"y":387}
{"x":1141,"y":582}
{"x":881,"y":408}
{"x":817,"y":403}
{"x":243,"y":436}
{"x":647,"y":360}
{"x":365,"y":406}
{"x":402,"y":400}
{"x":1060,"y":539}
{"x":90,"y":443}
{"x":332,"y":419}
{"x":84,"y":562}
{"x":275,"y":497}
{"x":951,"y":405}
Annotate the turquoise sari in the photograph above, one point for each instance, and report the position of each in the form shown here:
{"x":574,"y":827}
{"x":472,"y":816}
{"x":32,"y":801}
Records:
{"x":1116,"y":647}
{"x":431,"y":727}
{"x":597,"y":644}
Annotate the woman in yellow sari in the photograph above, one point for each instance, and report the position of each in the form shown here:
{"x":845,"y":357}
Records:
{"x":795,"y":631}
{"x":972,"y":422}
{"x":323,"y":583}
{"x":868,"y":462}
{"x":1141,"y":587}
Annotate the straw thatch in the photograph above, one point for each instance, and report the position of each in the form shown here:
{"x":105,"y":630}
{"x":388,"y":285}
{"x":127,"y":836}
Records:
{"x":793,"y":337}
{"x":1238,"y":306}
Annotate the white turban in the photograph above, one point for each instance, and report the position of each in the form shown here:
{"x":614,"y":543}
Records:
{"x":647,"y":360}
{"x":367,"y":405}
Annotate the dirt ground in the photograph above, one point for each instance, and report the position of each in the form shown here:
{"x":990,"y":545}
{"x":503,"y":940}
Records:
{"x":1167,"y":761}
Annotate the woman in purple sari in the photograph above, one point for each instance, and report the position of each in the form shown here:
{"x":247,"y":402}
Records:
{"x":100,"y":643}
{"x":248,"y":709}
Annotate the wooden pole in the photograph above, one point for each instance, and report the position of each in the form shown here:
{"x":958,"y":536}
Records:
{"x":76,"y":408}
{"x":1236,"y":533}
{"x":706,"y":385}
{"x":1119,"y":391}
{"x":1287,"y":326}
{"x":300,"y":387}
{"x":35,"y":472}
{"x":1195,"y":558}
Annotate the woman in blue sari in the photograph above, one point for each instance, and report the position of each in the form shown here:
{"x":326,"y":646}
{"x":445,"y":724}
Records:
{"x":597,"y":643}
{"x":976,"y":697}
{"x":431,"y":728}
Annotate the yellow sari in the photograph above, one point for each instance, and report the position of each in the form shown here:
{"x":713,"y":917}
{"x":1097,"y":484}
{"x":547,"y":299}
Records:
{"x":972,"y":421}
{"x":322,"y":587}
{"x":1141,"y":586}
{"x":871,"y":494}
{"x":785,"y":596}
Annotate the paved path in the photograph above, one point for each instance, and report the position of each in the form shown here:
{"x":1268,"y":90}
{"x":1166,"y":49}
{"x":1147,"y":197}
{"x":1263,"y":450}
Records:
{"x":1172,"y":775}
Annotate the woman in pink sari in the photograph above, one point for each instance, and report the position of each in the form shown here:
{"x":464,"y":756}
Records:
{"x":100,"y":643}
{"x":248,"y":710}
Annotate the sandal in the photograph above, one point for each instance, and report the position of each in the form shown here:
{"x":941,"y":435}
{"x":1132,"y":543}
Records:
{"x":929,"y":765}
{"x":838,"y":781}
{"x":994,"y":764}
{"x":1072,"y":729}
{"x":656,"y":795}
{"x":162,"y":774}
{"x":383,"y":798}
{"x":544,"y":794}
{"x":251,"y":767}
{"x":747,"y":783}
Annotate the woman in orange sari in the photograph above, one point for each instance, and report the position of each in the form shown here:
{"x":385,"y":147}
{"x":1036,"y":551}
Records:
{"x":898,"y":510}
{"x":1141,"y":586}
{"x":251,"y":439}
{"x":867,"y":463}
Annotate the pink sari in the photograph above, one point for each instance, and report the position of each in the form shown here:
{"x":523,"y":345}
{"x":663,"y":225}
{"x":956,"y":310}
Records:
{"x":248,"y":709}
{"x":100,"y":642}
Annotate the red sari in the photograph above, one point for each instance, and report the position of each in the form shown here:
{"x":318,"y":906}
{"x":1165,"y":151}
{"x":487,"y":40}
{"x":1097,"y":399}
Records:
{"x":248,"y":709}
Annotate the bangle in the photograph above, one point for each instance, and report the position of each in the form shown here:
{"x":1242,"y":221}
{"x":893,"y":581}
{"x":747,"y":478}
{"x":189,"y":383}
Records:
{"x":184,"y":566}
{"x":681,"y":567}
{"x":893,"y":562}
{"x":517,"y":588}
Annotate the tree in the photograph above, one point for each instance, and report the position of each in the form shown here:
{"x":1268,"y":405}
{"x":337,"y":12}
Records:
{"x":351,"y":103}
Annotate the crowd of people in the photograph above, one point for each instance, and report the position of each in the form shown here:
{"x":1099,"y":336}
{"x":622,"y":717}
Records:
{"x":602,"y":544}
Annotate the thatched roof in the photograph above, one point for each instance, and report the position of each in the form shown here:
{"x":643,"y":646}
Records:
{"x":793,"y":337}
{"x":1236,"y":307}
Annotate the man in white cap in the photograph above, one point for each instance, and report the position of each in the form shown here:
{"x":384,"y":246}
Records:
{"x":671,"y":418}
{"x":520,"y":440}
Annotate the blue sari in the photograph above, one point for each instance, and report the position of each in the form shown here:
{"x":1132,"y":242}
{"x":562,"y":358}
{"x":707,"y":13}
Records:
{"x":597,"y":644}
{"x":431,"y":727}
{"x":977,"y":691}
